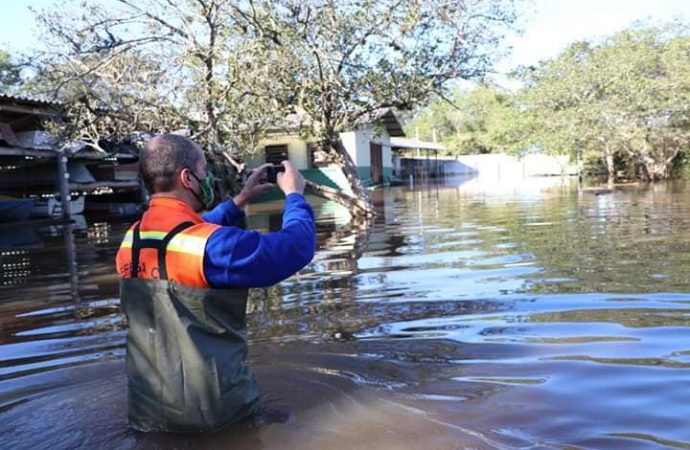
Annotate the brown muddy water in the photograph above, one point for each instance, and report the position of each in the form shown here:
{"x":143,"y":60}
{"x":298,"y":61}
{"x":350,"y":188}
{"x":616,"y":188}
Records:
{"x":468,"y":315}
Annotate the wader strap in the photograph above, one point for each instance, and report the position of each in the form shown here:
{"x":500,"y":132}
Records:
{"x":159,"y":245}
{"x":162,"y":268}
{"x":134,"y":269}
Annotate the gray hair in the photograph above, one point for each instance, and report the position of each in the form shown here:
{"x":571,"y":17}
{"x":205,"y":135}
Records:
{"x":163,"y":157}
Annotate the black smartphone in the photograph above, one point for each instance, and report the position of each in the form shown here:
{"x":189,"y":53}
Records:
{"x":272,"y":172}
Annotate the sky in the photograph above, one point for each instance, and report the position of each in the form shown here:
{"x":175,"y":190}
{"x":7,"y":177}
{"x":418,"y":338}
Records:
{"x":17,"y":25}
{"x":548,"y":25}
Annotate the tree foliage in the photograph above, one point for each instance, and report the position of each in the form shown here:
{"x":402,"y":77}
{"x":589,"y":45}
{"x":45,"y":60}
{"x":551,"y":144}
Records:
{"x":349,"y":60}
{"x":620,"y":103}
{"x":480,"y":120}
{"x":623,"y":101}
{"x":10,"y":72}
{"x":126,"y":67}
{"x":229,"y":71}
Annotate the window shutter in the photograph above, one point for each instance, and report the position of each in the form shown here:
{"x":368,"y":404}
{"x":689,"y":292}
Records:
{"x":275,"y":154}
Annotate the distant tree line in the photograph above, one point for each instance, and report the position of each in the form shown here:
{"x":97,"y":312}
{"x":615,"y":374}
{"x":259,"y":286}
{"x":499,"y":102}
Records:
{"x":620,"y":104}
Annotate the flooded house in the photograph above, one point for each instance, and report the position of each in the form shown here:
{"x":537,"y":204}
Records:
{"x":35,"y":174}
{"x":417,"y":159}
{"x":106,"y":184}
{"x":368,"y":144}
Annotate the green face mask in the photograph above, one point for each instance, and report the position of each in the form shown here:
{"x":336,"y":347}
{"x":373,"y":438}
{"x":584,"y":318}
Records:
{"x":206,"y":197}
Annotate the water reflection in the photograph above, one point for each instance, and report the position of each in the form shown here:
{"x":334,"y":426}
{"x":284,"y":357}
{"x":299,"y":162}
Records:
{"x":494,"y":315}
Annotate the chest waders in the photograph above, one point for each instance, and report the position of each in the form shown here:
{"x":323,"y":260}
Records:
{"x":186,"y":350}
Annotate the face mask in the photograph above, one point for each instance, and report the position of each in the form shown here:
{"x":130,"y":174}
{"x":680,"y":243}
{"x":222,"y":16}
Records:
{"x":206,"y":197}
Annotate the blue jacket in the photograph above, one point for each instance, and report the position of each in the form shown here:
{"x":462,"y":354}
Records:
{"x":236,"y":257}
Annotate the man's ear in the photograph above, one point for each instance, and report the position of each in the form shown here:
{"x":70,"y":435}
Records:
{"x":185,"y":178}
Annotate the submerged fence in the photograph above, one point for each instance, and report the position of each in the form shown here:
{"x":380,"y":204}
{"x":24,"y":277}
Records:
{"x":498,"y":166}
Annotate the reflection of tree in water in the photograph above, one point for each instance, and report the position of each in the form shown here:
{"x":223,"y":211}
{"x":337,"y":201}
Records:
{"x":628,"y":317}
{"x":627,"y":241}
{"x":342,"y":320}
{"x":324,"y":302}
{"x":331,"y":283}
{"x":634,"y":239}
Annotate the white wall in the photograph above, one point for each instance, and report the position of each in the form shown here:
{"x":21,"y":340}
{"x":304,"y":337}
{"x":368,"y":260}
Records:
{"x":350,"y":142}
{"x":508,"y":165}
{"x":363,"y":148}
{"x":355,"y":142}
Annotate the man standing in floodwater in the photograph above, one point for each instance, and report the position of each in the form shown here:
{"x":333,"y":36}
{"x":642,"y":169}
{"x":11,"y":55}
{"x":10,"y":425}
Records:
{"x":183,"y":287}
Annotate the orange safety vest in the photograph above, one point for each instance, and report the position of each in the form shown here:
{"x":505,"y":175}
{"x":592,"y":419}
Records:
{"x":184,"y":250}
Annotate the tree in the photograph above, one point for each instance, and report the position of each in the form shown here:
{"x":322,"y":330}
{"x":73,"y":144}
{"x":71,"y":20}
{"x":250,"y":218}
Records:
{"x":348,"y":60}
{"x":10,"y":72}
{"x":228,"y":70}
{"x":126,"y":69}
{"x":623,"y":100}
{"x":480,"y":120}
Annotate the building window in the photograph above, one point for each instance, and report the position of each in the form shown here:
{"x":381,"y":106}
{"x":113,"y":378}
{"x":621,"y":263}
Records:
{"x":315,"y":159}
{"x":275,"y":154}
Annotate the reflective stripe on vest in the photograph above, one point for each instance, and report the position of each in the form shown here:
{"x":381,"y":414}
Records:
{"x":184,"y":255}
{"x":183,"y":243}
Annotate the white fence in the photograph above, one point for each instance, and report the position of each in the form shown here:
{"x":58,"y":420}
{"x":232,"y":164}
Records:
{"x":500,"y":166}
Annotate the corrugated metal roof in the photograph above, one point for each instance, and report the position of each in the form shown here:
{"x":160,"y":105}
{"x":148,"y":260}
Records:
{"x":397,"y":142}
{"x":384,"y":116}
{"x":28,"y":100}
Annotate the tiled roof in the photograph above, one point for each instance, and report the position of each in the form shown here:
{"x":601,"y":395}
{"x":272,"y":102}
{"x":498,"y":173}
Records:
{"x":27,"y":100}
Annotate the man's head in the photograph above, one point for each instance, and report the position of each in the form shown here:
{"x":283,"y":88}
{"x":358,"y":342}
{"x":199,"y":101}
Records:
{"x":174,"y":165}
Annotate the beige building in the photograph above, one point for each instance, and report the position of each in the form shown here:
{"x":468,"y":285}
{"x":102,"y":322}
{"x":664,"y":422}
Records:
{"x":369,"y":145}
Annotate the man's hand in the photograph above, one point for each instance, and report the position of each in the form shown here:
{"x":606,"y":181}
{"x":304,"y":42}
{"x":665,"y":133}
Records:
{"x":290,"y":181}
{"x":255,"y":186}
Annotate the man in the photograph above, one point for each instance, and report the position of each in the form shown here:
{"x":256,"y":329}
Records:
{"x":183,"y":285}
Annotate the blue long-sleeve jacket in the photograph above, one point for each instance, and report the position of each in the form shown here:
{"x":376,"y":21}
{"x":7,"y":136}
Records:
{"x":240,"y":258}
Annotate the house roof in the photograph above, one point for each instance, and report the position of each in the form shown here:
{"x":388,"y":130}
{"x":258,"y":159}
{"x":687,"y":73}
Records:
{"x":384,"y":116}
{"x":26,"y":113}
{"x":387,"y":118}
{"x":397,"y":142}
{"x":27,"y":100}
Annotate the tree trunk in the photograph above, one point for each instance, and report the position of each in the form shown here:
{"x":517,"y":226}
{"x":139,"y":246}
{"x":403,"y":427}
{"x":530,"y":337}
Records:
{"x":217,"y":168}
{"x":350,"y":171}
{"x":657,"y":170}
{"x":225,"y":170}
{"x":610,"y":168}
{"x":359,"y":205}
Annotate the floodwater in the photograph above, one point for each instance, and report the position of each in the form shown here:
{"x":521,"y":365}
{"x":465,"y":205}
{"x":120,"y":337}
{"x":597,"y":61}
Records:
{"x":469,"y":315}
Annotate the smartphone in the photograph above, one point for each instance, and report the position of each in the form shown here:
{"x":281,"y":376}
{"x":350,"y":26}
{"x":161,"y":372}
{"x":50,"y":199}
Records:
{"x":272,"y":172}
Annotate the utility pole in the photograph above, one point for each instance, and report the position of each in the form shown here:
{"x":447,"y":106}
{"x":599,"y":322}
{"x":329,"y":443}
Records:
{"x":63,"y":184}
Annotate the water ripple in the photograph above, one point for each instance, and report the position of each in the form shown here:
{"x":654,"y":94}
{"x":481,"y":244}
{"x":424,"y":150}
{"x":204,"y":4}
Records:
{"x":537,"y":317}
